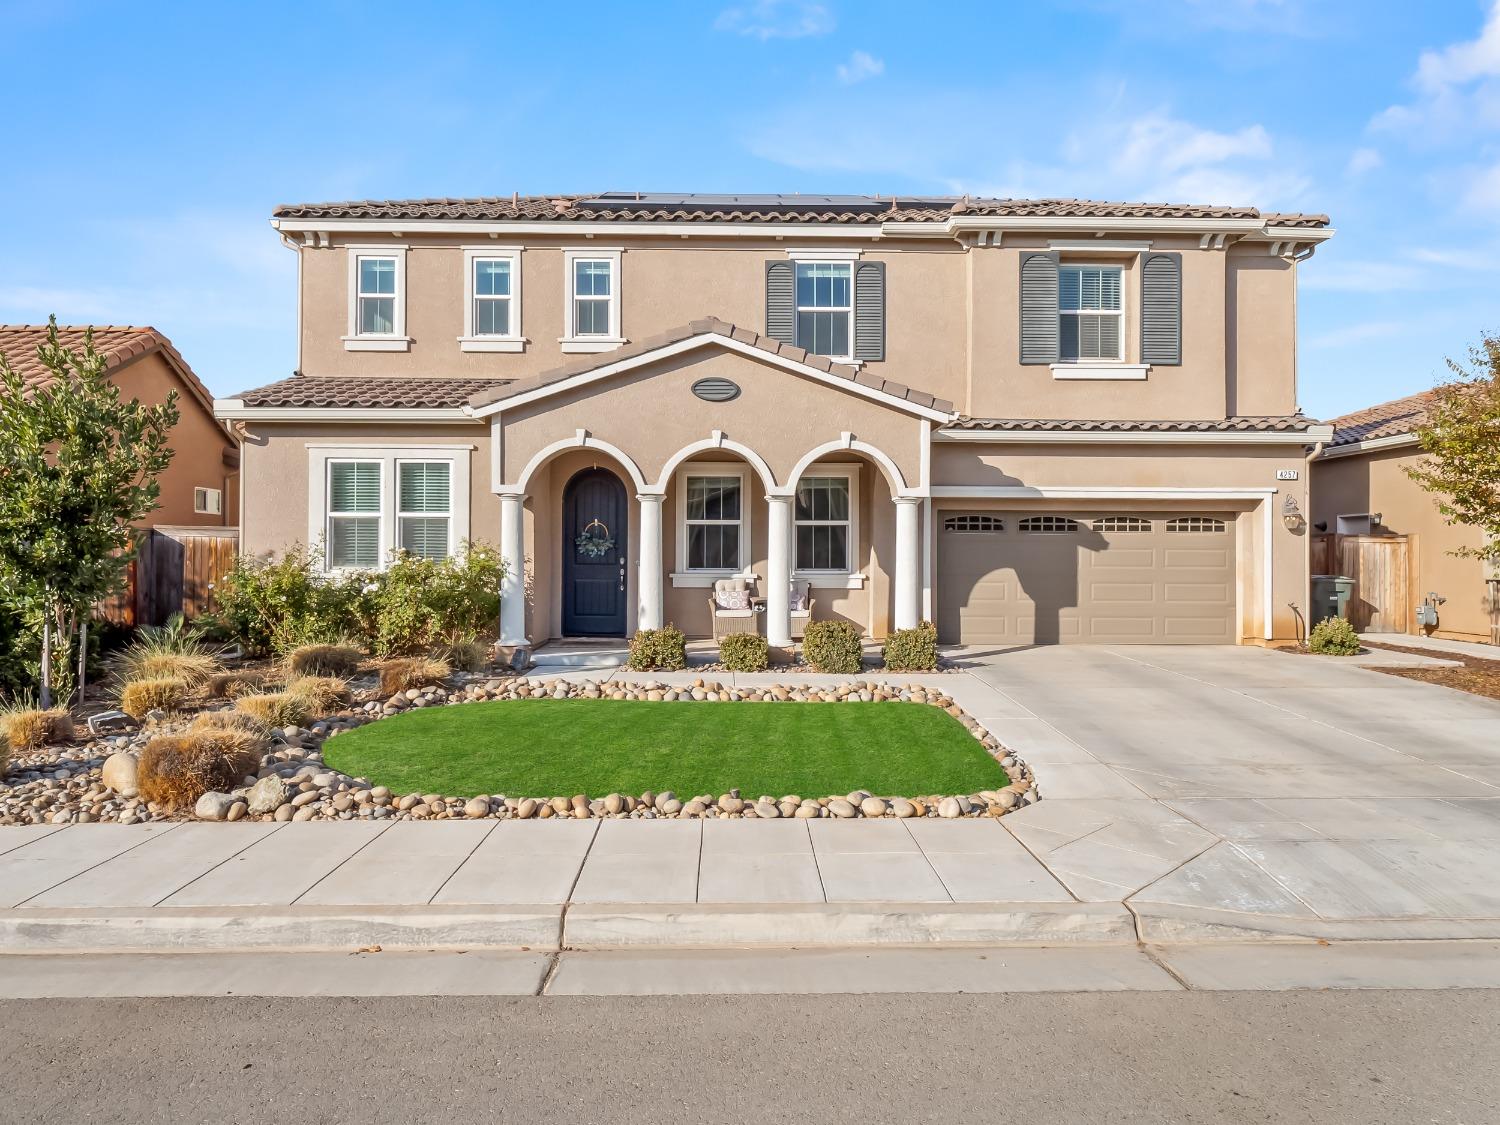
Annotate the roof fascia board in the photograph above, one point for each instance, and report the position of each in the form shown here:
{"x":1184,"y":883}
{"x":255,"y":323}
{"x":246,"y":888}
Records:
{"x":1390,"y":441}
{"x":234,"y":409}
{"x":1310,"y":436}
{"x":692,"y":343}
{"x":1097,"y":492}
{"x":1074,"y":222}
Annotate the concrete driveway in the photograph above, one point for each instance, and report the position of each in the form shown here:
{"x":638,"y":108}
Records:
{"x":1240,"y":780}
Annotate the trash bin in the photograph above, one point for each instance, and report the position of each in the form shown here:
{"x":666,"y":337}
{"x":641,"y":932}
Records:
{"x":1330,"y":596}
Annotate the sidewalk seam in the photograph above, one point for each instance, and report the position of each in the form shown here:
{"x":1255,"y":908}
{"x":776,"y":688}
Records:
{"x":51,"y":835}
{"x":305,"y":890}
{"x":218,"y":865}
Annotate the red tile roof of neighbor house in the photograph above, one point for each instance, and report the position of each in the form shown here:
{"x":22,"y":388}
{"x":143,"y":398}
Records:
{"x":1400,"y":416}
{"x":854,"y":210}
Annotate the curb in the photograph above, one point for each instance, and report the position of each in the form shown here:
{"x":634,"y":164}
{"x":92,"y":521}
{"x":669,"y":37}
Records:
{"x":1186,"y":925}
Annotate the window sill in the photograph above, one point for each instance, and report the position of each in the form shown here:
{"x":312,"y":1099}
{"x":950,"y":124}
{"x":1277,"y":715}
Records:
{"x":492,"y":343}
{"x":823,"y":580}
{"x":590,"y":343}
{"x":1100,"y":370}
{"x":704,"y":579}
{"x":377,"y":343}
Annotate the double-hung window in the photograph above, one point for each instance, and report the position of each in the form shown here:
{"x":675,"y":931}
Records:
{"x":492,"y":297}
{"x":593,"y":301}
{"x":424,"y":518}
{"x":823,"y":513}
{"x":377,"y":296}
{"x":492,"y":319}
{"x":355,"y":490}
{"x":1091,"y":314}
{"x":713,"y":521}
{"x":825,"y":308}
{"x":377,"y":299}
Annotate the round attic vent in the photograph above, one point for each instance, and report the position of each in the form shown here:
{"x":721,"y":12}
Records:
{"x":716,"y":390}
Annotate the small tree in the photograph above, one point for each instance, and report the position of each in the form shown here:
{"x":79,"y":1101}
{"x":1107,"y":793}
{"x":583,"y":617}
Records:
{"x":1461,"y":438}
{"x":78,"y":468}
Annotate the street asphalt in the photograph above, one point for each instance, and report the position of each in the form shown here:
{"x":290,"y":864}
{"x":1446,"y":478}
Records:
{"x":1315,"y":1057}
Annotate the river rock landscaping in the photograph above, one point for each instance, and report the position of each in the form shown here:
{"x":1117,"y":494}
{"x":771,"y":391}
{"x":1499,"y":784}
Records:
{"x":95,"y":779}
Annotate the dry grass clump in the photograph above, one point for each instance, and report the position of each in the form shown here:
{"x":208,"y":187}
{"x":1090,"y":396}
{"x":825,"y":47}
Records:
{"x":411,"y":671}
{"x":140,"y":696}
{"x":323,"y":693}
{"x":324,"y":660}
{"x":276,"y":709}
{"x":27,"y":728}
{"x":467,"y":656}
{"x":175,"y":770}
{"x":229,"y":685}
{"x":144,"y":663}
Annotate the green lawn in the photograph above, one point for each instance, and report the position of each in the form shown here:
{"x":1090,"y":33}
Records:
{"x":552,"y":747}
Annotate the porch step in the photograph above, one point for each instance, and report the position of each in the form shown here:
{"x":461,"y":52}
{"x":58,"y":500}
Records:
{"x":579,"y":656}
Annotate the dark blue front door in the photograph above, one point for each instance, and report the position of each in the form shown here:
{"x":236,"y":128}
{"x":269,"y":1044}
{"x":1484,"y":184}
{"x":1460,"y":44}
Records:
{"x":594,"y":522}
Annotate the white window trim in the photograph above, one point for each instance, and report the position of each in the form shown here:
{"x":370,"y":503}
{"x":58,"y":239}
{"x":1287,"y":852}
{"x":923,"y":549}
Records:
{"x":514,"y":340}
{"x":570,"y":340}
{"x":320,"y":457}
{"x":395,"y":341}
{"x":851,"y":578}
{"x":682,"y":576}
{"x":843,"y":259}
{"x":1100,"y":368}
{"x":206,"y":508}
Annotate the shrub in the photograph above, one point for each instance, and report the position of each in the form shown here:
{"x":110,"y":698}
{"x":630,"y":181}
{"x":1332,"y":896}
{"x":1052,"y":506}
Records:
{"x":323,"y":693}
{"x":744,"y":652}
{"x":276,"y":709}
{"x":27,"y":728}
{"x":411,"y":671}
{"x":832,"y":646}
{"x":234,"y":732}
{"x":663,"y":650}
{"x":324,"y":660}
{"x":166,"y":653}
{"x":466,"y":655}
{"x":140,"y":696}
{"x":1334,"y":636}
{"x":228,"y":685}
{"x":267,"y":605}
{"x":911,"y":650}
{"x":422,"y":604}
{"x":175,"y":770}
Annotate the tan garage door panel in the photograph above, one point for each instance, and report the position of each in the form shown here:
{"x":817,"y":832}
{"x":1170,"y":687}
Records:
{"x":1080,"y":577}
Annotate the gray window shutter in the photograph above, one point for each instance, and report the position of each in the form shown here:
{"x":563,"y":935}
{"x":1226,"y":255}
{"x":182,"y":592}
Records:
{"x":1039,"y":306}
{"x":781,"y":312}
{"x":869,"y":310}
{"x":1161,"y":308}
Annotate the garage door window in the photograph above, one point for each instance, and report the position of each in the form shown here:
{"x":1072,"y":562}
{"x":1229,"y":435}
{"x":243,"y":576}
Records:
{"x":1048,"y":524}
{"x":973,"y":524}
{"x":1122,"y":523}
{"x":1197,"y":524}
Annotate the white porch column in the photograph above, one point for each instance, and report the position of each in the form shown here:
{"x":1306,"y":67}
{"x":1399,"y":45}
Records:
{"x":650,"y":611}
{"x":908,"y":576}
{"x":779,"y":572}
{"x":513,"y":588}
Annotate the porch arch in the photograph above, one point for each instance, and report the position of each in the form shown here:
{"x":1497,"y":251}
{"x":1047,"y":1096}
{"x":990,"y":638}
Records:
{"x":710,"y":444}
{"x":582,"y":440}
{"x":888,"y":467}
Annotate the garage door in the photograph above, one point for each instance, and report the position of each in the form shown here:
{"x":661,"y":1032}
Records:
{"x":1086,"y":578}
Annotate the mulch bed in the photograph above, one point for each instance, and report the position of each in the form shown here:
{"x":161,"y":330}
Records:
{"x":1478,"y":676}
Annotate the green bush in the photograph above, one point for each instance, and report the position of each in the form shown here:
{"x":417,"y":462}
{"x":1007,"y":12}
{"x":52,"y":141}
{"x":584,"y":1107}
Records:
{"x":911,"y":650}
{"x":832,"y":646}
{"x":658,"y":650}
{"x":267,"y":605}
{"x":744,"y":652}
{"x":1334,"y":636}
{"x":423,"y":604}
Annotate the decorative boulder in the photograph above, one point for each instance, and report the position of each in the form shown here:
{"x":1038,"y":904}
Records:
{"x":120,"y":773}
{"x":267,"y":795}
{"x":213,"y":806}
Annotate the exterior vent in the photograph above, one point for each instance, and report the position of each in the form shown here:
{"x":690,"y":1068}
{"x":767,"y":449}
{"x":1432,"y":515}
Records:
{"x":716,"y":389}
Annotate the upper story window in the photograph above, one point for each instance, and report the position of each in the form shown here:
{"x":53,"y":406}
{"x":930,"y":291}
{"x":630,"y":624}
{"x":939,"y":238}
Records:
{"x":377,"y":299}
{"x":492,"y":317}
{"x":825,"y":308}
{"x":208,"y":501}
{"x":824,"y":518}
{"x":1091,"y":312}
{"x":593,"y":301}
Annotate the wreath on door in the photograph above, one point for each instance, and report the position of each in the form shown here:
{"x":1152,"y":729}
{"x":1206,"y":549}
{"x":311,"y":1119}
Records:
{"x":594,"y":541}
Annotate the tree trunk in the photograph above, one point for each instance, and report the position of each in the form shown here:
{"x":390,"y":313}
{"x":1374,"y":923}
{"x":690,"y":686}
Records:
{"x":46,"y":661}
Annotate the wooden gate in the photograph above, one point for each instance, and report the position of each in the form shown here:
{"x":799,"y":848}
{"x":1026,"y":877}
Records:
{"x":1380,"y":567}
{"x":173,"y":571}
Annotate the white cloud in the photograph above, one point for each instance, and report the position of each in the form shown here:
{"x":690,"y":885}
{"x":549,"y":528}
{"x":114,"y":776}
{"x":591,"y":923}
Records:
{"x":776,"y":19}
{"x":1457,"y":88}
{"x":1363,"y":160}
{"x":861,"y":65}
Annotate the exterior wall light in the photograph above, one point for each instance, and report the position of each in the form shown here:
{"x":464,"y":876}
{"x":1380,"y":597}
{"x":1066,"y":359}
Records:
{"x":1291,"y":515}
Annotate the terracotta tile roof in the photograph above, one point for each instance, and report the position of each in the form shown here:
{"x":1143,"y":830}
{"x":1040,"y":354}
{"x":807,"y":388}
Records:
{"x":366,"y":392}
{"x":1386,"y":420}
{"x":625,"y":207}
{"x":698,"y":328}
{"x":1285,"y":423}
{"x":119,"y":344}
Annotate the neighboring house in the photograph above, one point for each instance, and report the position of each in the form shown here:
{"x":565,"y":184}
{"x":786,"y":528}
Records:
{"x":1030,"y":422}
{"x":199,"y":488}
{"x":1360,"y":487}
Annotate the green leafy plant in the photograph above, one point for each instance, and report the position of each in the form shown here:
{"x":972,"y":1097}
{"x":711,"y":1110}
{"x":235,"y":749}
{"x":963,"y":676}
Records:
{"x":422,"y":604}
{"x":744,"y":652}
{"x":1333,"y":636}
{"x":78,"y":470}
{"x":658,"y":650}
{"x":911,"y":650}
{"x":832,"y":646}
{"x":270,"y":605}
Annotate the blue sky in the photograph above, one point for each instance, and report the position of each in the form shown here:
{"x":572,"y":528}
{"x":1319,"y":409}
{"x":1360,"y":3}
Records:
{"x":148,"y":143}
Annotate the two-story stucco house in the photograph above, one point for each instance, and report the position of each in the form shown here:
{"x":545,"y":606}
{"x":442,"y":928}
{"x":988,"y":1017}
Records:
{"x":1029,"y":421}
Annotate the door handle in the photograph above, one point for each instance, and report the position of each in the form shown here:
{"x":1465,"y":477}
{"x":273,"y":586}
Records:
{"x":622,"y":576}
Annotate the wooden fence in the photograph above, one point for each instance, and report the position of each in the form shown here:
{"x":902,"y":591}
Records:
{"x":173,"y":571}
{"x":1381,"y":568}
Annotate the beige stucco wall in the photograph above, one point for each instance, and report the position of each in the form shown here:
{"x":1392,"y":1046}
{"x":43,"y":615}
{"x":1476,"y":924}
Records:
{"x":952,"y":318}
{"x":198,"y":444}
{"x":1376,"y":482}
